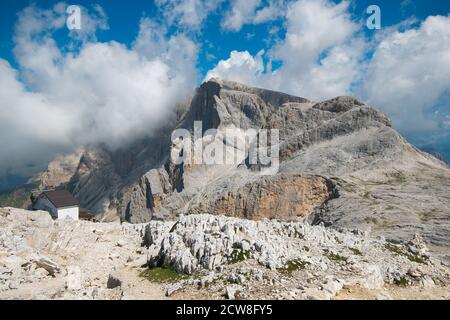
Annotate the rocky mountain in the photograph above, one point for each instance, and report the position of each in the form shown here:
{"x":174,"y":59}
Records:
{"x":349,"y":209}
{"x":60,"y":170}
{"x":341,"y":164}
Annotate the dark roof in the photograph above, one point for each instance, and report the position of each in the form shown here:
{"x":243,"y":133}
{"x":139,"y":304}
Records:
{"x":61,"y":198}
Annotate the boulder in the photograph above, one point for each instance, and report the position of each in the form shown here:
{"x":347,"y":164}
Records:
{"x":47,"y":264}
{"x":172,"y":288}
{"x":114,"y":280}
{"x":73,"y":281}
{"x":232,"y":291}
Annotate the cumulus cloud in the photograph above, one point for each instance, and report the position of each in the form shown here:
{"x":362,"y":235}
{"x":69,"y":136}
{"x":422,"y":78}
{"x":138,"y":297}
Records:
{"x":100,"y":93}
{"x":321,"y":50}
{"x":243,"y":12}
{"x":241,"y":67}
{"x":189,"y":13}
{"x":410,"y":73}
{"x":320,"y":54}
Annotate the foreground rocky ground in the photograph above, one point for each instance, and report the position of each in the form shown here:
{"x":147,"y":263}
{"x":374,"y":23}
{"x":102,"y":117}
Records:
{"x":205,"y":256}
{"x":45,"y":259}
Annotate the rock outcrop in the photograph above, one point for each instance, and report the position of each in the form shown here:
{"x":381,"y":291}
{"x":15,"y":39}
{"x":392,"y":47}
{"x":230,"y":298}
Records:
{"x":210,"y":242}
{"x":301,"y":260}
{"x":286,"y":197}
{"x":239,"y":190}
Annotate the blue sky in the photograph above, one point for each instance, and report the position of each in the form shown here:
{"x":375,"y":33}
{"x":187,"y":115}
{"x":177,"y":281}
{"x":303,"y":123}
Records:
{"x":124,"y":16}
{"x":120,"y":75}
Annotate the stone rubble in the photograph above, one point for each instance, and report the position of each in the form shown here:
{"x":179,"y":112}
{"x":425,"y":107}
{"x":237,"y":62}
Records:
{"x":330,"y":260}
{"x":45,"y":259}
{"x":216,"y":257}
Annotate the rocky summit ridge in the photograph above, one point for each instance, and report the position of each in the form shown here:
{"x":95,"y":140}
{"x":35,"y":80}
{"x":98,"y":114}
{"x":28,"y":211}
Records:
{"x":341,"y":165}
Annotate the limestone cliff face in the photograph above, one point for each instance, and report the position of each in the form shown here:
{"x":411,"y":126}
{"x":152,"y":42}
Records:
{"x":285,"y":197}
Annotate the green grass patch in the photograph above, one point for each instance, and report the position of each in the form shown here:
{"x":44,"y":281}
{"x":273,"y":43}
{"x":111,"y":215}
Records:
{"x":238,"y":255}
{"x":162,"y":275}
{"x":294,"y":265}
{"x":356,"y":251}
{"x":417,"y":259}
{"x":394,"y":249}
{"x":335,"y":257}
{"x":411,"y":257}
{"x":401,"y":282}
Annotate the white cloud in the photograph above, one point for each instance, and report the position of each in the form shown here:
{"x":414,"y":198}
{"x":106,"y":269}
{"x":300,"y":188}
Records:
{"x":91,"y":21}
{"x":314,"y":26}
{"x":410,"y":73}
{"x":189,"y":13}
{"x":178,"y":51}
{"x":241,"y":67}
{"x":103,"y":92}
{"x":243,"y":12}
{"x":272,"y":11}
{"x":321,"y":50}
{"x":320,"y":53}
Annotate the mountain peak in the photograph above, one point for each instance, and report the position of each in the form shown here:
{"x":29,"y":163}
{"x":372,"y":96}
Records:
{"x":333,"y":156}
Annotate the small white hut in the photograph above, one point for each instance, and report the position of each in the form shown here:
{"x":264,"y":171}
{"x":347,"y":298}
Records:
{"x":59,"y":203}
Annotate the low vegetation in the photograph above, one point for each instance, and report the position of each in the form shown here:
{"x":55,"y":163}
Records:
{"x":401,"y":282}
{"x":397,"y":177}
{"x":411,"y":257}
{"x":294,"y":265}
{"x":15,"y":198}
{"x":238,"y":255}
{"x":335,"y":257}
{"x":356,"y":251}
{"x":161,"y":275}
